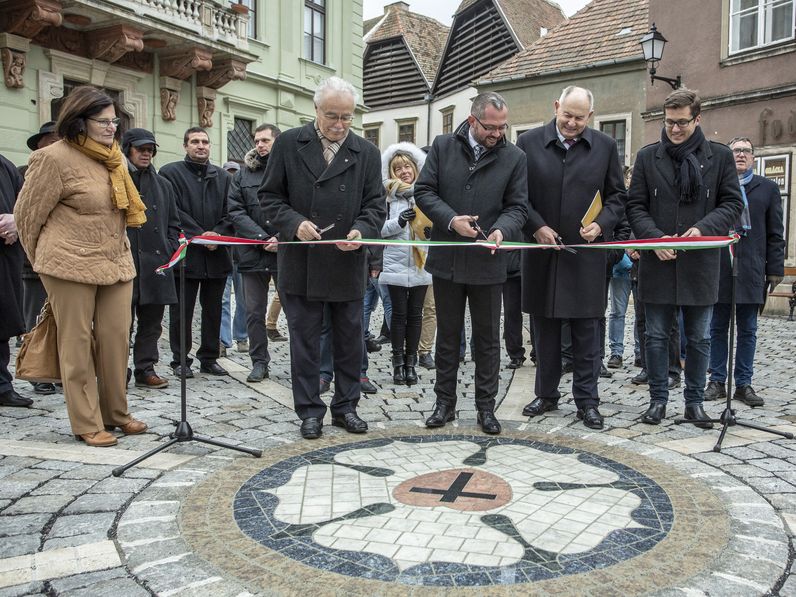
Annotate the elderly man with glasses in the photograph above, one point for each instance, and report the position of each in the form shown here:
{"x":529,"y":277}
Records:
{"x":683,"y":185}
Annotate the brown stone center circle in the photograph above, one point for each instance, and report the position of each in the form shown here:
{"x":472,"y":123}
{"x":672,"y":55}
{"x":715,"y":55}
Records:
{"x":467,"y":489}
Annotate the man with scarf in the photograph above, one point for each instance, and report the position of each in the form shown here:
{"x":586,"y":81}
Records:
{"x":760,"y":268}
{"x":151,"y":245}
{"x":682,"y":186}
{"x":202,"y":189}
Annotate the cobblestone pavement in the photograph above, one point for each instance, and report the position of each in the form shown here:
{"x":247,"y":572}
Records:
{"x":177,"y":523}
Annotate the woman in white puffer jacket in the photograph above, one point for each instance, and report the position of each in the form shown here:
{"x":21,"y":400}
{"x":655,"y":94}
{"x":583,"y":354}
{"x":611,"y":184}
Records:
{"x":403,"y":271}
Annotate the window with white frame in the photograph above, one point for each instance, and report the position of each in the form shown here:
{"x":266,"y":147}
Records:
{"x":315,"y":30}
{"x":616,"y":126}
{"x":758,"y":23}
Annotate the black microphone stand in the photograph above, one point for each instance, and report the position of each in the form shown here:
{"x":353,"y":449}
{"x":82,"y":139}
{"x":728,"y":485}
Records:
{"x":183,"y":432}
{"x":727,"y":417}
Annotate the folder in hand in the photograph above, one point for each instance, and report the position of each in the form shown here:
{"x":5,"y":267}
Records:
{"x":594,"y":210}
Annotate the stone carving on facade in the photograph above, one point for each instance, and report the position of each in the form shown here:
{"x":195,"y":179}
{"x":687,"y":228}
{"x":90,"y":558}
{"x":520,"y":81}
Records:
{"x":222,"y":73}
{"x":13,"y":68}
{"x":183,"y":64}
{"x":112,"y":43}
{"x":28,"y":17}
{"x":62,"y":39}
{"x":206,"y":104}
{"x":168,"y":104}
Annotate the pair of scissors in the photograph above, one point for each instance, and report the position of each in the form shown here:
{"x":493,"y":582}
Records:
{"x":478,"y":229}
{"x":322,"y":230}
{"x":560,"y":242}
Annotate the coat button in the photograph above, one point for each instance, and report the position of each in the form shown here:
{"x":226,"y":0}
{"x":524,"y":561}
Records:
{"x":115,"y":235}
{"x":82,"y":251}
{"x":339,"y":217}
{"x":314,"y":214}
{"x":317,"y":186}
{"x":468,"y":187}
{"x":155,"y":229}
{"x":342,"y":187}
{"x":157,"y":251}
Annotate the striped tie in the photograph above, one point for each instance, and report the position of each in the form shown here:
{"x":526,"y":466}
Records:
{"x":570,"y":142}
{"x":478,"y":150}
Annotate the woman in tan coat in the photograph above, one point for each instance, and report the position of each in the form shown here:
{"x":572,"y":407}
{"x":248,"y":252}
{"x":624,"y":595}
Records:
{"x":71,"y":215}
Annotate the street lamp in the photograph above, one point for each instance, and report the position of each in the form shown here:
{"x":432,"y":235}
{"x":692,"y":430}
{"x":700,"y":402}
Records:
{"x":652,"y":45}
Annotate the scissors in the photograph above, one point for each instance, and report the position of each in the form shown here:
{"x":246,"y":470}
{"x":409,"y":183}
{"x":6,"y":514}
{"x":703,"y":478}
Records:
{"x":322,"y":230}
{"x":478,"y":229}
{"x":560,"y":242}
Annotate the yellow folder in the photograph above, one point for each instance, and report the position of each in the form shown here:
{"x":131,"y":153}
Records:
{"x":594,"y":210}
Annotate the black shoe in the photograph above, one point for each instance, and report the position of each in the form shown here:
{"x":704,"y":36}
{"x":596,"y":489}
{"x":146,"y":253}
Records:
{"x":372,"y":346}
{"x":567,"y":367}
{"x":695,"y":412}
{"x":383,"y":339}
{"x":488,"y":422}
{"x":615,"y":362}
{"x":259,"y":372}
{"x":591,"y":417}
{"x":398,"y":371}
{"x":715,"y":391}
{"x":655,"y":414}
{"x":213,"y":369}
{"x":637,"y":362}
{"x":748,"y":396}
{"x":311,"y":428}
{"x":443,"y":413}
{"x":674,"y":381}
{"x":604,"y":372}
{"x":350,"y":422}
{"x":324,"y":386}
{"x":515,"y":363}
{"x":641,"y":378}
{"x":43,"y":389}
{"x":178,"y":372}
{"x":366,"y":386}
{"x":410,"y":373}
{"x":426,"y":361}
{"x":532,"y":356}
{"x":275,"y":336}
{"x":539,"y":406}
{"x":11,"y":398}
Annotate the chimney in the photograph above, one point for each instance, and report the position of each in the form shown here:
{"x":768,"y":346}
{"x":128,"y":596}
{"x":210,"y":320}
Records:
{"x":398,"y":5}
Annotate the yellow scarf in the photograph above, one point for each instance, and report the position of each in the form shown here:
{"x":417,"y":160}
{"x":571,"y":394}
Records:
{"x":417,"y":226}
{"x":125,"y":195}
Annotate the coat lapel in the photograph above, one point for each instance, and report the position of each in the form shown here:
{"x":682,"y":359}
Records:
{"x":310,"y":151}
{"x":345,"y":158}
{"x":705,"y":157}
{"x":664,"y":165}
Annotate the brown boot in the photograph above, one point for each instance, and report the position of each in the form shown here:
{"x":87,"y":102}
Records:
{"x":132,"y":427}
{"x":98,"y":439}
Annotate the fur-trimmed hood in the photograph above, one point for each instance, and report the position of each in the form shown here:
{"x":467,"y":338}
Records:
{"x":417,"y":154}
{"x":251,"y":161}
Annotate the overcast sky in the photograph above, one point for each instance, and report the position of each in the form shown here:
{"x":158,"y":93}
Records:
{"x":443,"y":10}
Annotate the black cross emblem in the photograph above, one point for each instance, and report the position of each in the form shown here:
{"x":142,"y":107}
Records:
{"x":456,"y":490}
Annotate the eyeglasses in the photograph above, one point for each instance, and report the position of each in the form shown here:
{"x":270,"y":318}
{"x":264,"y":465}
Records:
{"x":742,"y":150}
{"x":491,"y":128}
{"x":347,"y":118}
{"x":681,"y":124}
{"x":106,"y":122}
{"x":145,"y":149}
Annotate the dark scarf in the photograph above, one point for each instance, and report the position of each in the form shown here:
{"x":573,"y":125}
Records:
{"x":196,"y":167}
{"x":690,"y":173}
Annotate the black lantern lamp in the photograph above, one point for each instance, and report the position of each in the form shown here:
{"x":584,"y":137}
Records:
{"x":652,"y":45}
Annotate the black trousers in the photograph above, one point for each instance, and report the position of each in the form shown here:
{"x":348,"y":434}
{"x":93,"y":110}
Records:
{"x":484,"y":299}
{"x":407,"y":317}
{"x":5,"y":374}
{"x":255,"y":293}
{"x":585,"y":334}
{"x":674,"y":336}
{"x":512,"y":317}
{"x":211,"y":293}
{"x":147,"y":322}
{"x":33,"y":297}
{"x":304,"y":321}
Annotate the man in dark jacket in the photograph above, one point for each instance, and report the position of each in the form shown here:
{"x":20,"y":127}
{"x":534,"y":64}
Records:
{"x":11,"y":323}
{"x":683,"y":185}
{"x":151,"y":245}
{"x":761,"y":265}
{"x":571,"y":163}
{"x":202,"y":191}
{"x":324,"y":182}
{"x":474,"y":186}
{"x":256,"y":263}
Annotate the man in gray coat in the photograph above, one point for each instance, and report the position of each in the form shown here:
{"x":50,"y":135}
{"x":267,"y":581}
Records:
{"x":686,"y":186}
{"x":324,"y":182}
{"x":474,"y":186}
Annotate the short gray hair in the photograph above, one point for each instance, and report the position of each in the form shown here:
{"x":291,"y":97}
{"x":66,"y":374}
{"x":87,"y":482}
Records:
{"x":735,"y":140}
{"x":334,"y":85}
{"x":575,"y":89}
{"x":482,"y":100}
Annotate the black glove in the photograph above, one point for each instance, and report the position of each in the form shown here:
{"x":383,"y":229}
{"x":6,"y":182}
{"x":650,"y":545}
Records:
{"x":427,"y":232}
{"x":773,"y":282}
{"x":405,"y":216}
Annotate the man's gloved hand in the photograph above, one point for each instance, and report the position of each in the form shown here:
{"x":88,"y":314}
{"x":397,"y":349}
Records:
{"x":406,"y":215}
{"x":773,"y":282}
{"x":427,"y":232}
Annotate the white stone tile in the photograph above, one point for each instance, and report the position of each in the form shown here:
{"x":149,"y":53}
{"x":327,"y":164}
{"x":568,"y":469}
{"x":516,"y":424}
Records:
{"x":384,"y":549}
{"x":480,"y":559}
{"x":351,"y":531}
{"x":446,"y":542}
{"x":413,"y":554}
{"x":383,"y":535}
{"x":466,"y":532}
{"x":414,"y":539}
{"x":398,"y":524}
{"x":447,"y":555}
{"x":349,"y":544}
{"x":479,"y":546}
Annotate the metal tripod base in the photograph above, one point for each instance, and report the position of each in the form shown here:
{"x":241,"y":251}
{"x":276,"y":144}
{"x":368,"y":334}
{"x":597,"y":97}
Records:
{"x":728,"y":419}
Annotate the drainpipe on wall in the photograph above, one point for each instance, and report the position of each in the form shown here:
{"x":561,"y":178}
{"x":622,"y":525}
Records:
{"x":428,"y":97}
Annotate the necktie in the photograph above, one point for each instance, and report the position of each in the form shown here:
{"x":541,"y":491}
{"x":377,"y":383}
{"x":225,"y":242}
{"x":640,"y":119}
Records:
{"x":478,"y":150}
{"x":329,"y":151}
{"x":570,"y":142}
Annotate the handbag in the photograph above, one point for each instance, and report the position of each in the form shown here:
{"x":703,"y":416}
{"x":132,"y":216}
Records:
{"x":37,"y":359}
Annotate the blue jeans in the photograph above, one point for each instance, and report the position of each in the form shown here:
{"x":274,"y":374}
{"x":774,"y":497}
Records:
{"x":696,"y":325}
{"x":746,"y":342}
{"x":374,"y":291}
{"x":238,"y":331}
{"x":620,"y":293}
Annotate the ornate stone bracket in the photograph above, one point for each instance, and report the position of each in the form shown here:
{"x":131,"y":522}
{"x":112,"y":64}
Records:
{"x":183,"y":64}
{"x":222,"y":73}
{"x":13,"y":51}
{"x":28,"y":17}
{"x":169,"y":97}
{"x":206,"y":104}
{"x":112,"y":43}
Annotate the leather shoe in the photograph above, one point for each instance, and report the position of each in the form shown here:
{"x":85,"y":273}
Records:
{"x":641,"y":378}
{"x":654,"y":414}
{"x":43,"y":388}
{"x":488,"y":422}
{"x":178,"y":372}
{"x":366,"y":386}
{"x":443,"y":413}
{"x":591,"y":417}
{"x":539,"y":406}
{"x":152,"y":381}
{"x":311,"y":428}
{"x":615,"y":362}
{"x":567,"y":367}
{"x":98,"y":439}
{"x":275,"y":336}
{"x":747,"y":395}
{"x":715,"y":391}
{"x":674,"y":381}
{"x":259,"y":372}
{"x":604,"y":373}
{"x":695,"y":412}
{"x":132,"y":427}
{"x":213,"y":369}
{"x":372,"y":346}
{"x":426,"y":361}
{"x":350,"y":422}
{"x":515,"y":363}
{"x":324,"y":386}
{"x":11,"y":398}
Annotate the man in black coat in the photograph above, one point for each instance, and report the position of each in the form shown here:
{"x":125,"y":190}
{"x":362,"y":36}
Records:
{"x":202,"y":191}
{"x":571,"y":163}
{"x":11,"y":323}
{"x":683,"y":185}
{"x":256,"y":263}
{"x":761,"y":266}
{"x":151,"y":245}
{"x":474,"y":186}
{"x":324,"y":182}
